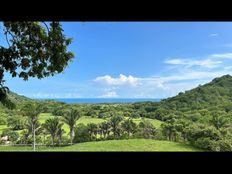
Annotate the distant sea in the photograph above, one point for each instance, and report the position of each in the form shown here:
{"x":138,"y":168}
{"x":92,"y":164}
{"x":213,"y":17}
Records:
{"x":103,"y":100}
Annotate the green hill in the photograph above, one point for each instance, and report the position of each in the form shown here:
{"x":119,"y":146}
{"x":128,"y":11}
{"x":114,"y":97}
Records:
{"x":216,"y":94}
{"x":18,"y":98}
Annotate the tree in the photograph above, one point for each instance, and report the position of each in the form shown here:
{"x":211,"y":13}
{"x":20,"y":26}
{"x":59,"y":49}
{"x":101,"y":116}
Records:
{"x":81,"y":133}
{"x":32,"y":111}
{"x":60,"y":133}
{"x":16,"y":122}
{"x":115,"y":125}
{"x":92,"y":129}
{"x":171,"y":129}
{"x":54,"y":128}
{"x":146,"y":129}
{"x":70,"y":119}
{"x":33,"y":49}
{"x":105,"y":128}
{"x":219,"y":121}
{"x":129,"y":126}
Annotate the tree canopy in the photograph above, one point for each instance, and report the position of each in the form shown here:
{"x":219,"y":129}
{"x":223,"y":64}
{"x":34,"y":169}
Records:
{"x":33,"y":49}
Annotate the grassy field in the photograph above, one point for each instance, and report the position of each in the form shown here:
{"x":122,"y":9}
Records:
{"x":115,"y":145}
{"x":156,"y":123}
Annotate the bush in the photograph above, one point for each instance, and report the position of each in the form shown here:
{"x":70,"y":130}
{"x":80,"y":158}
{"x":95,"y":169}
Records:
{"x":13,"y":136}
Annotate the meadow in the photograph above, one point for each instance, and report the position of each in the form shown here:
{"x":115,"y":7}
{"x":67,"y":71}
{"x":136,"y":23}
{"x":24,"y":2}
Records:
{"x":114,"y":145}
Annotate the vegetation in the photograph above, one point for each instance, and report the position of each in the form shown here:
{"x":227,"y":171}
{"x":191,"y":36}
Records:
{"x":34,"y":49}
{"x":200,"y":118}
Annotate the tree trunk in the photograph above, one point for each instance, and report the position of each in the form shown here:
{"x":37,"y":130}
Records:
{"x":72,"y":134}
{"x":33,"y":131}
{"x":52,"y":141}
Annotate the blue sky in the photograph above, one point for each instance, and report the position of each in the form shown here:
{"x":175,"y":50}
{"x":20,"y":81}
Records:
{"x":136,"y":60}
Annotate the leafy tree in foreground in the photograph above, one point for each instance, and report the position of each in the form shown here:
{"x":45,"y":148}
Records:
{"x":70,"y":119}
{"x":32,"y":49}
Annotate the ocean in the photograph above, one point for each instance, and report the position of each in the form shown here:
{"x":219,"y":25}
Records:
{"x":103,"y":100}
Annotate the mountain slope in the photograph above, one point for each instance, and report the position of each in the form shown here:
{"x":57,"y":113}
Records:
{"x":14,"y":99}
{"x":215,"y":94}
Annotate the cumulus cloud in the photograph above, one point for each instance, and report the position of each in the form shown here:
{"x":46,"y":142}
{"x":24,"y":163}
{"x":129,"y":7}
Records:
{"x":184,"y":74}
{"x":121,"y":80}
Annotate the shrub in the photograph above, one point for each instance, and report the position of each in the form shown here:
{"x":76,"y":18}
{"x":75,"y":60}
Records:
{"x":13,"y":136}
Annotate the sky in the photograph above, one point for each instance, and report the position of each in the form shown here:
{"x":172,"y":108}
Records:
{"x":135,"y":60}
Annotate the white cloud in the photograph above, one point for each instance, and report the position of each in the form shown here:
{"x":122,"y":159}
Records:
{"x":121,"y":80}
{"x":213,"y":35}
{"x":207,"y":63}
{"x":222,"y":56}
{"x":183,"y":75}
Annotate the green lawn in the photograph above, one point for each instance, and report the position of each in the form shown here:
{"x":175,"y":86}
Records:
{"x":115,"y":145}
{"x":155,"y":122}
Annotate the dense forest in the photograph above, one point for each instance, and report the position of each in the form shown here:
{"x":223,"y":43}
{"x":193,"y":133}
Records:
{"x":200,"y":117}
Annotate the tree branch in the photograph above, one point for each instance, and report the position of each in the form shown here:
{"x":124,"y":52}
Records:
{"x":46,"y":26}
{"x":7,"y":39}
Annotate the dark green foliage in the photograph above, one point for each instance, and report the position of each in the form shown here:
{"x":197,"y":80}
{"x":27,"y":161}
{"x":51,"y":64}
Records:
{"x":92,"y":130}
{"x":145,"y":130}
{"x":129,"y":127}
{"x":34,"y":49}
{"x":70,"y":118}
{"x":16,"y":122}
{"x":81,"y":134}
{"x":115,"y":125}
{"x":54,"y":128}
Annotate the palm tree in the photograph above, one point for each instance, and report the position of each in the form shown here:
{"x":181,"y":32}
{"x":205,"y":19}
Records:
{"x":114,"y":123}
{"x":60,"y":132}
{"x":105,"y":128}
{"x":32,"y":111}
{"x":92,"y":129}
{"x":70,"y":119}
{"x":53,"y":126}
{"x":129,"y":126}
